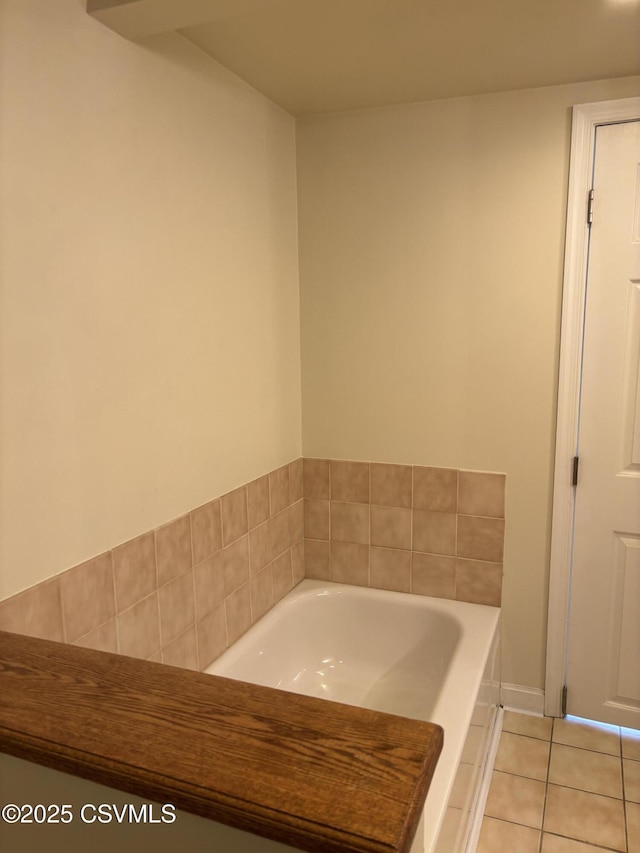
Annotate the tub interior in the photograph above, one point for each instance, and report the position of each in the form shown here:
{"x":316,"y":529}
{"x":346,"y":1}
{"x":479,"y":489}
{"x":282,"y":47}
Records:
{"x":332,"y":644}
{"x":426,"y":658}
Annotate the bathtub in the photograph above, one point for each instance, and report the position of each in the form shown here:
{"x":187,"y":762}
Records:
{"x":425,"y":658}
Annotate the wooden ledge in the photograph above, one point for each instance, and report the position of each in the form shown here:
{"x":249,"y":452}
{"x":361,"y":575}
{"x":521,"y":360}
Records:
{"x":317,"y":775}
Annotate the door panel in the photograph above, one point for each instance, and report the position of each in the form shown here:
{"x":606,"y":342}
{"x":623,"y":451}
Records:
{"x":630,"y":457}
{"x":603,"y":668}
{"x":624,"y":686}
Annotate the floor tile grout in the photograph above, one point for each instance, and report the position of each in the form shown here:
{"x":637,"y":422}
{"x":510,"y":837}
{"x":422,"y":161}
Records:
{"x":546,"y":789}
{"x":624,"y":795}
{"x":550,"y":741}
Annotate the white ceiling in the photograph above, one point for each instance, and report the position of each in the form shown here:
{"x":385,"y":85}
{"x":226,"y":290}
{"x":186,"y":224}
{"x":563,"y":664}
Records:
{"x":314,"y":56}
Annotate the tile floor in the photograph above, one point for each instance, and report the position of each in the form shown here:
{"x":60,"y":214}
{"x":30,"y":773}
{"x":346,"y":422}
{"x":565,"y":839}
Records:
{"x":563,"y":786}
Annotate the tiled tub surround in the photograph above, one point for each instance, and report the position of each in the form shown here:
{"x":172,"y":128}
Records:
{"x":431,"y":531}
{"x":182,"y":593}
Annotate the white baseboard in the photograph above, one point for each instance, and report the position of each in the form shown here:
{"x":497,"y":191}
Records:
{"x":528,"y":700}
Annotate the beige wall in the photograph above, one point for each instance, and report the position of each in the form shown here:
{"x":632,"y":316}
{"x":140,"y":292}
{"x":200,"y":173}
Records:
{"x":149,"y":337}
{"x":431,"y":249}
{"x":149,"y":317}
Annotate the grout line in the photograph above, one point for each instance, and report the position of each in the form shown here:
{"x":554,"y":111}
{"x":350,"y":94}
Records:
{"x":411,"y":510}
{"x":546,"y":785}
{"x":63,"y":621}
{"x":624,"y":792}
{"x":589,"y":844}
{"x":369,"y":517}
{"x":330,"y":530}
{"x":583,"y":748}
{"x":546,"y":791}
{"x":195,"y":613}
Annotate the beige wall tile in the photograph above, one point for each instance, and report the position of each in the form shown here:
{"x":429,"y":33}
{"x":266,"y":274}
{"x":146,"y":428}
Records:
{"x":279,"y":489}
{"x":516,"y":799}
{"x":234,"y":515}
{"x":134,"y":570}
{"x":478,"y":582}
{"x":481,"y":493}
{"x":586,"y":770}
{"x":349,"y":522}
{"x":261,"y":592}
{"x":585,"y":817}
{"x":206,"y":531}
{"x":36,"y":612}
{"x":211,"y":632}
{"x":258,"y":501}
{"x":523,"y":756}
{"x":350,"y":563}
{"x":297,"y":561}
{"x":434,"y":532}
{"x":87,"y":596}
{"x":586,"y":735}
{"x":296,"y":491}
{"x":391,"y":527}
{"x":500,"y":836}
{"x":315,"y":474}
{"x":208,"y":580}
{"x":238,"y":612}
{"x":390,"y":569}
{"x":162,"y":557}
{"x":282,"y":575}
{"x":139,"y":628}
{"x":236,"y":564}
{"x":349,"y":481}
{"x":435,"y":489}
{"x":104,"y":638}
{"x":177,"y":607}
{"x":183,"y":651}
{"x":433,"y":575}
{"x":259,"y":547}
{"x":279,"y":533}
{"x":173,"y":549}
{"x":296,"y":521}
{"x":391,"y":485}
{"x":480,"y":538}
{"x":316,"y":519}
{"x":317,"y":559}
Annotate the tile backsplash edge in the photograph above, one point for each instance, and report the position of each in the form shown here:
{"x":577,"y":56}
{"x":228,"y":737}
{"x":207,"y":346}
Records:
{"x":409,"y":528}
{"x":185,"y":591}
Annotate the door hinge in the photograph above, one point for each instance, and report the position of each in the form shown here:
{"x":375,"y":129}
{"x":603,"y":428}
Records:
{"x":574,"y":471}
{"x":590,"y":207}
{"x":564,"y":701}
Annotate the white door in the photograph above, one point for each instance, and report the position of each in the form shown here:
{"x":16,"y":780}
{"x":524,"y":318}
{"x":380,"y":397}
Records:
{"x":603,"y":666}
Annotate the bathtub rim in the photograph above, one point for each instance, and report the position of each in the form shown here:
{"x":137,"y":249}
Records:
{"x":466,"y":672}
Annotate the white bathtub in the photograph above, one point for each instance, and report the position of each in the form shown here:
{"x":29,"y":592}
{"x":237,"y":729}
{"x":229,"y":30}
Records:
{"x":425,"y":658}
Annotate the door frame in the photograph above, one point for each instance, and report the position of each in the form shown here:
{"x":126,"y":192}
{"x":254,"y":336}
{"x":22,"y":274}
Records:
{"x":586,"y":118}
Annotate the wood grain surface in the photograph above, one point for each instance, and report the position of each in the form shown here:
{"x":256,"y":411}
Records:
{"x":317,"y":775}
